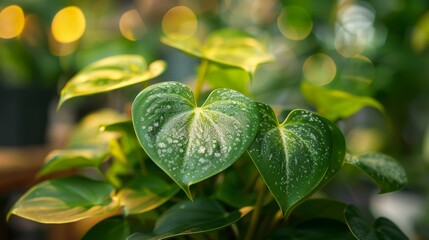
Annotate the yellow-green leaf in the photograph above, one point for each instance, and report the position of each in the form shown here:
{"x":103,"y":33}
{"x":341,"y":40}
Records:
{"x":110,"y":73}
{"x":66,"y":200}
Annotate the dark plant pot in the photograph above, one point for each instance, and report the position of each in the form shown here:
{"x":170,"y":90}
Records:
{"x":23,"y":115}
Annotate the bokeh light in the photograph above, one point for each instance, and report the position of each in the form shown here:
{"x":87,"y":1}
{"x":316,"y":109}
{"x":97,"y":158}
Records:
{"x":319,"y":69}
{"x":12,"y":21}
{"x":364,"y":139}
{"x":295,"y":23}
{"x":179,"y":22}
{"x":131,"y":25}
{"x":68,"y":24}
{"x":420,"y":36}
{"x":355,"y":29}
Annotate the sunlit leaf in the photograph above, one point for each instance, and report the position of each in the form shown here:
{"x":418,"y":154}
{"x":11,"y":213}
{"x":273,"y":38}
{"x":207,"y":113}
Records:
{"x":335,"y":104}
{"x":66,"y":200}
{"x":145,"y":193}
{"x":220,"y":76}
{"x":384,"y":170}
{"x":110,"y":73}
{"x":59,"y":160}
{"x":87,"y":132}
{"x":362,"y":229}
{"x":226,"y":46}
{"x":201,"y":215}
{"x":114,"y":228}
{"x":193,"y":143}
{"x":293,"y":157}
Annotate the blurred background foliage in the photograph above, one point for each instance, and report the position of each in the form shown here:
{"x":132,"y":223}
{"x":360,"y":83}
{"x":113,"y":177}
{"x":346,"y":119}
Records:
{"x":366,"y":48}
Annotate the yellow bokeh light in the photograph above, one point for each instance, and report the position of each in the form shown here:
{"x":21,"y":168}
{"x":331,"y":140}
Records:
{"x":179,"y":22}
{"x":295,"y":23}
{"x":130,"y":24}
{"x":319,"y":69}
{"x":12,"y":21}
{"x":68,"y":24}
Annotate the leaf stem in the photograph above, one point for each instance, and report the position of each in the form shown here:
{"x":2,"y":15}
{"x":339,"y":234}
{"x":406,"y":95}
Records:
{"x":257,"y":210}
{"x":200,"y":78}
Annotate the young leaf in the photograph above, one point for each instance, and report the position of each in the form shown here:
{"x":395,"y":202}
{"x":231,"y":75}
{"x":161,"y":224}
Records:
{"x":335,"y":104}
{"x":226,"y":46}
{"x":193,"y":143}
{"x":59,"y":160}
{"x":65,"y":200}
{"x":110,"y":73}
{"x":383,"y":228}
{"x":114,"y":228}
{"x":293,"y":157}
{"x":384,"y":170}
{"x":145,"y":193}
{"x":221,"y":76}
{"x":201,"y":215}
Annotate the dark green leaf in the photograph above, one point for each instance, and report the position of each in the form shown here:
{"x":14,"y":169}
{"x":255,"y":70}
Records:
{"x":335,"y":104}
{"x":110,"y":73}
{"x":193,"y":143}
{"x":145,"y":193}
{"x":66,"y":200}
{"x":383,"y":229}
{"x":231,"y":192}
{"x":319,"y":208}
{"x":59,"y":160}
{"x":114,"y":228}
{"x":201,"y":215}
{"x":294,"y":157}
{"x":315,"y":229}
{"x":384,"y":170}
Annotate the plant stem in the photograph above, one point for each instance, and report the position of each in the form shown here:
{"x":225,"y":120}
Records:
{"x":200,"y":78}
{"x":257,"y":210}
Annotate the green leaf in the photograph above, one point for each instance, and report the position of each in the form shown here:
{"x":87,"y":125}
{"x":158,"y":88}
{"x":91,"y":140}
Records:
{"x":66,"y":200}
{"x":59,"y":160}
{"x":384,"y":170}
{"x":230,"y":191}
{"x":335,"y":104}
{"x":110,"y":73}
{"x":201,"y":215}
{"x":315,"y":229}
{"x":221,"y":76}
{"x":145,"y":193}
{"x":293,"y":157}
{"x":226,"y":46}
{"x":338,"y":152}
{"x":193,"y":143}
{"x":383,"y":228}
{"x":319,"y":208}
{"x":114,"y":228}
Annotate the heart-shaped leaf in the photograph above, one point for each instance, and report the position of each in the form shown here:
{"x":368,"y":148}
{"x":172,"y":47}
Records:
{"x":145,"y":193}
{"x":59,"y":160}
{"x":389,"y":175}
{"x":66,"y":200}
{"x":226,"y":46}
{"x":335,"y":104}
{"x":192,"y":143}
{"x":361,"y":228}
{"x":201,"y":215}
{"x":110,"y":73}
{"x":293,"y":157}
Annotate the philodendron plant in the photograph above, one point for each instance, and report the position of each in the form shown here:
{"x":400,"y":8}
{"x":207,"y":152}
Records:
{"x":223,"y":169}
